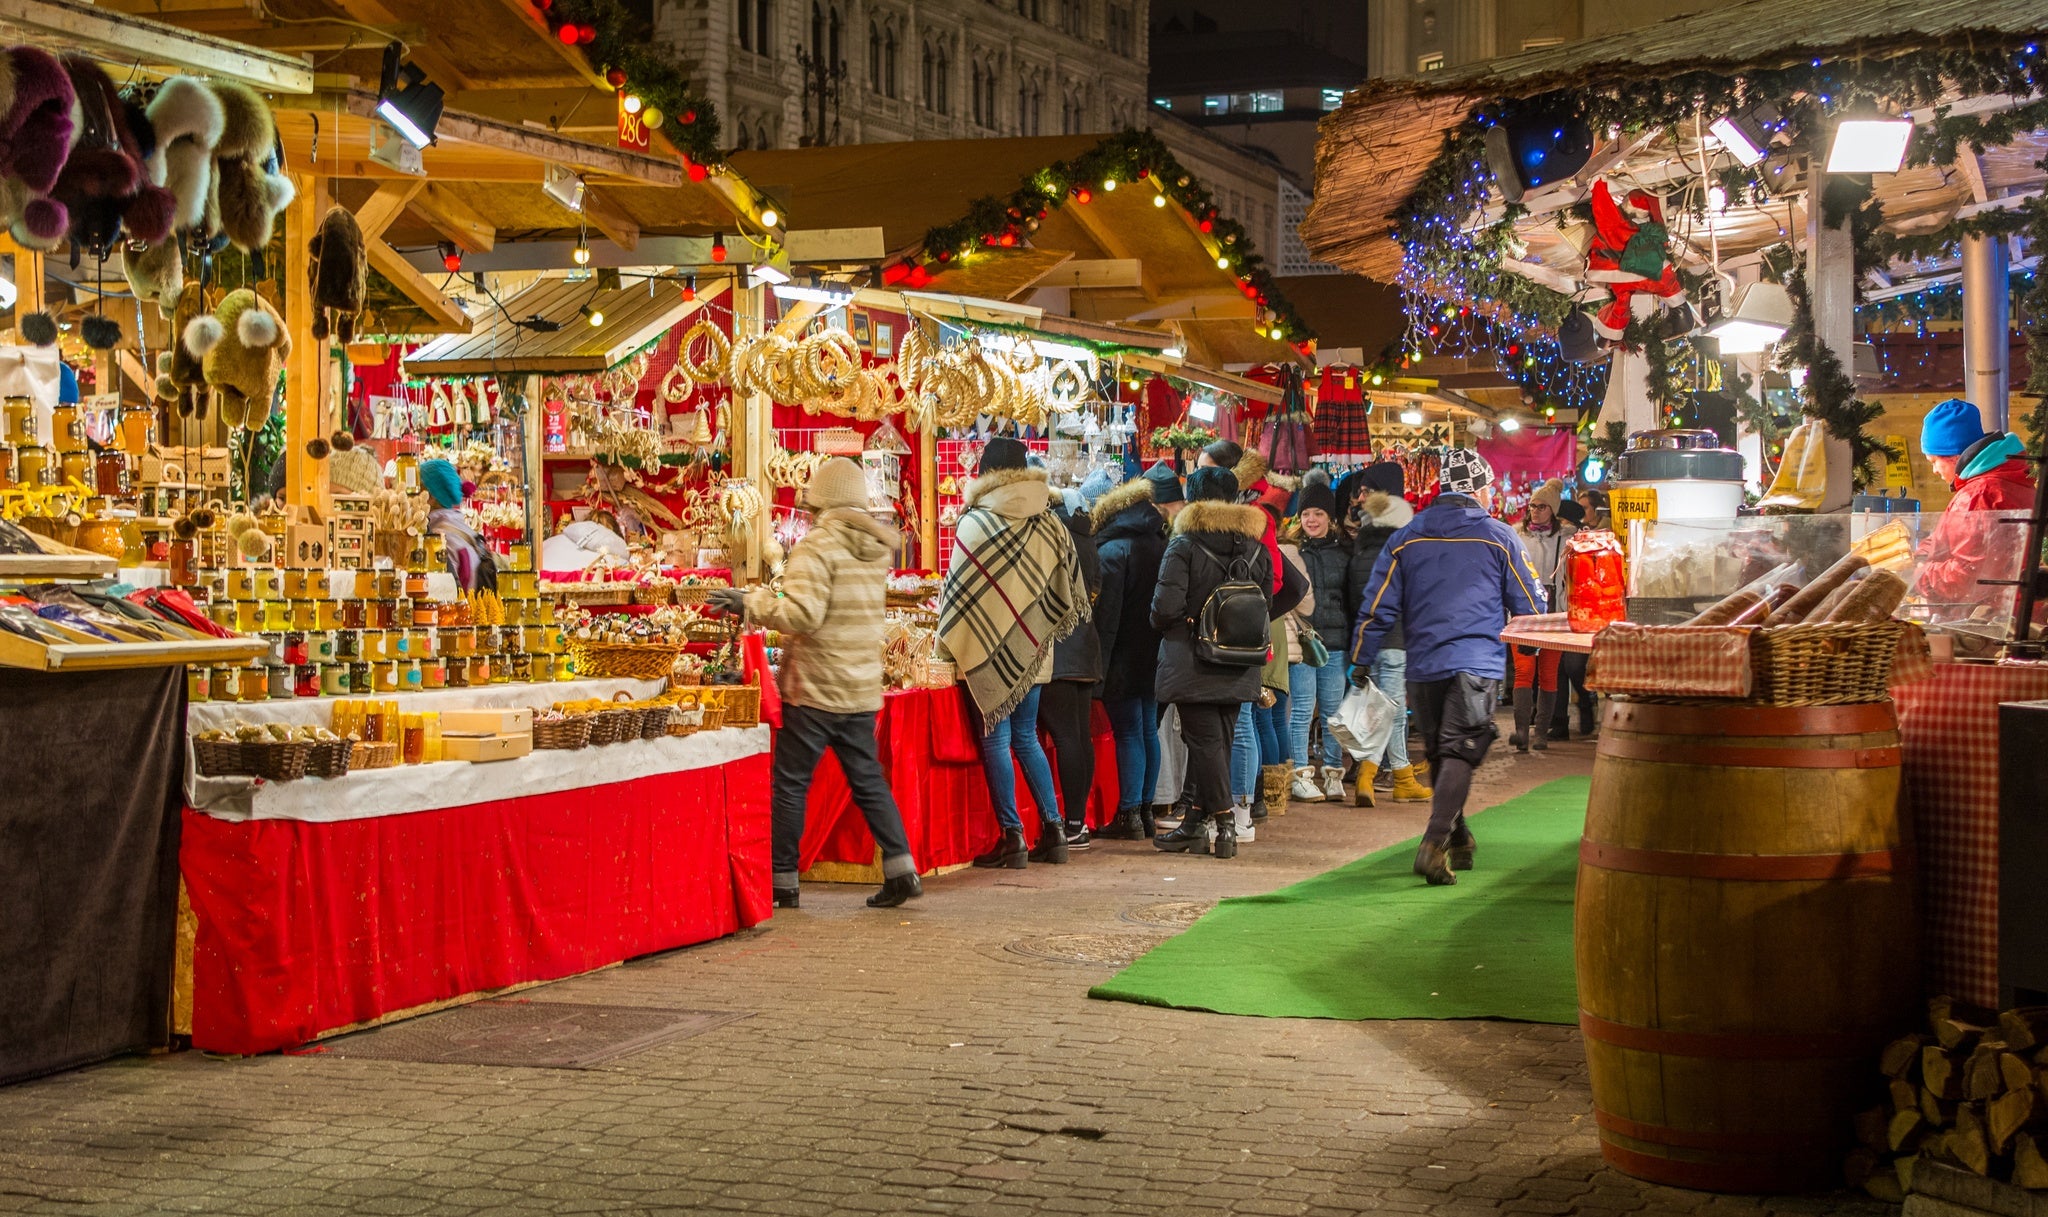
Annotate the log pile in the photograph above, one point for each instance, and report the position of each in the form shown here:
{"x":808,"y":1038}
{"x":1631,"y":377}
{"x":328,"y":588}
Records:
{"x":1970,"y":1092}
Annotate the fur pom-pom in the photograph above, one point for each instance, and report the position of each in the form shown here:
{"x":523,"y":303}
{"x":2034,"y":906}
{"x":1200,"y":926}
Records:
{"x":342,"y":440}
{"x":149,"y":214}
{"x":184,"y":527}
{"x":202,"y":517}
{"x":166,"y":388}
{"x":317,"y":448}
{"x":320,"y":324}
{"x":101,"y":333}
{"x":253,"y":544}
{"x":256,"y":328}
{"x":203,"y":335}
{"x":45,"y":220}
{"x":39,"y":328}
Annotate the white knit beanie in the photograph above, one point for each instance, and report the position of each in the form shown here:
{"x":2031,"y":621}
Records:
{"x":355,"y":471}
{"x":838,"y":482}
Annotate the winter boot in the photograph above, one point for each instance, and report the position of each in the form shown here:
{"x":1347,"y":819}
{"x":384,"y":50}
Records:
{"x":1052,"y":844}
{"x":1306,"y":789}
{"x":1539,"y":732}
{"x":1126,"y":827}
{"x":1433,"y":864}
{"x":1010,"y":852}
{"x":1191,"y":836}
{"x":1225,"y":845}
{"x":1461,"y":848}
{"x":1407,"y":788}
{"x":786,"y":897}
{"x":1245,"y":825}
{"x":1362,"y":793}
{"x":1525,"y":708}
{"x":1273,"y":779}
{"x":1147,"y":820}
{"x":895,"y":890}
{"x":1333,"y":784}
{"x":1177,"y":813}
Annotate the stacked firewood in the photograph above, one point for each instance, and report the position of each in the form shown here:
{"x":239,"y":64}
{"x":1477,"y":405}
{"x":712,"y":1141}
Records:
{"x":1971,"y":1092}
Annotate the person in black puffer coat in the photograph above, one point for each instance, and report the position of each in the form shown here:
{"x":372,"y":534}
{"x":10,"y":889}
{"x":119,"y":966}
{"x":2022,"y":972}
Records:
{"x":1316,"y":692}
{"x":1067,"y":703}
{"x":1382,"y":512}
{"x":1214,"y":541}
{"x":1130,"y":540}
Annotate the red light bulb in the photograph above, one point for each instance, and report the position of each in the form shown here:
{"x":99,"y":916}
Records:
{"x":697,"y":172}
{"x":567,"y":34}
{"x":718,"y":248}
{"x":1083,"y":194}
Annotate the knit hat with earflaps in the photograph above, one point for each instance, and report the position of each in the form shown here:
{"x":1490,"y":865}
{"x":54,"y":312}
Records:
{"x":838,"y":482}
{"x":1464,"y":472}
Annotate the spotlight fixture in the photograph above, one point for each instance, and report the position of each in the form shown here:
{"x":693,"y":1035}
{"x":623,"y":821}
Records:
{"x":1869,"y":145}
{"x":1762,"y":314}
{"x":1412,"y":417}
{"x":1747,"y":133}
{"x":8,"y":292}
{"x":718,"y":247}
{"x":769,"y":273}
{"x":560,"y":183}
{"x":830,"y":297}
{"x":770,"y":217}
{"x":1535,"y":144}
{"x":1509,"y":423}
{"x":407,"y":99}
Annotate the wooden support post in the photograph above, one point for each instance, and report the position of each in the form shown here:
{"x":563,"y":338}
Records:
{"x":306,"y":373}
{"x":1830,"y":284}
{"x":536,"y":468}
{"x":753,"y":431}
{"x":28,"y":278}
{"x":1987,"y":328}
{"x":929,"y":556}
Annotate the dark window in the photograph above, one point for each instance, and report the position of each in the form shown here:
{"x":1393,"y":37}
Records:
{"x":874,"y":58}
{"x":926,"y":93}
{"x":832,"y":59}
{"x":889,"y":63}
{"x":945,"y":105}
{"x":764,"y":27}
{"x":746,"y":22}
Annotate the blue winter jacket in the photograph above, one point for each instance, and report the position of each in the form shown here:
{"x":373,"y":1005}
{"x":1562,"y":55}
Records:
{"x":1452,"y":577}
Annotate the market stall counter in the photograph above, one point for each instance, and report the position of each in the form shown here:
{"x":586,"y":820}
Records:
{"x":323,"y":905}
{"x":932,"y":758}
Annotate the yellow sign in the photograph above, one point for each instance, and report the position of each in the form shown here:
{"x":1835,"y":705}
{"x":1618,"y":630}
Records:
{"x":1898,"y":474}
{"x":1638,"y":503}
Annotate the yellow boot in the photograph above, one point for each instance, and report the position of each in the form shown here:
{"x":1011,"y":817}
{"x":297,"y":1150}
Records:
{"x":1367,"y":771}
{"x":1408,"y":788}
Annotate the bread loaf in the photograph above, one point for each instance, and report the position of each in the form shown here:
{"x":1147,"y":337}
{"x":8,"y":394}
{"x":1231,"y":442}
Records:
{"x":1810,"y":597}
{"x":1738,"y":609}
{"x":1873,"y":600}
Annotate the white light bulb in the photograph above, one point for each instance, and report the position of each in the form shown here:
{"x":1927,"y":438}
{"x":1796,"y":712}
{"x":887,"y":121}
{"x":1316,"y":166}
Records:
{"x":769,"y":217}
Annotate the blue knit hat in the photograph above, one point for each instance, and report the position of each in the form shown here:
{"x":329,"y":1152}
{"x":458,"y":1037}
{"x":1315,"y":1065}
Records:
{"x":1095,"y":485}
{"x":1951,"y":428}
{"x":442,"y":484}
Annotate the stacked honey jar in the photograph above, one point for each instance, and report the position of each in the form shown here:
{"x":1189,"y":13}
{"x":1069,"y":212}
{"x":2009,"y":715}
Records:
{"x":57,"y":454}
{"x":369,"y":632}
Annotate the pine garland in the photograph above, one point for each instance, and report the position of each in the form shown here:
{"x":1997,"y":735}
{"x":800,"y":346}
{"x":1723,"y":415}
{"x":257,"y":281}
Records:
{"x":654,"y":71}
{"x":1830,"y":395}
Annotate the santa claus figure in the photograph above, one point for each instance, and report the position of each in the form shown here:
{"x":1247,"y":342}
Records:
{"x":1629,"y":257}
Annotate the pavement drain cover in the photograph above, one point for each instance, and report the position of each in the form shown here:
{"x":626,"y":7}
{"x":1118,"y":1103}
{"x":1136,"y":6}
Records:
{"x":1168,"y":914}
{"x":547,"y":1035}
{"x":1108,"y":950}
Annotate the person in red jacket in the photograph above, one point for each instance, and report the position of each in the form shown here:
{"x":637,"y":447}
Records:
{"x":1990,"y":477}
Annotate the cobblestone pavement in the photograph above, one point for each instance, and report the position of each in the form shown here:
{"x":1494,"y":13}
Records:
{"x":900,"y":1061}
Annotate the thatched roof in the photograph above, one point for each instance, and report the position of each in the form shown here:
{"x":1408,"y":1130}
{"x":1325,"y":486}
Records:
{"x":1373,"y":150}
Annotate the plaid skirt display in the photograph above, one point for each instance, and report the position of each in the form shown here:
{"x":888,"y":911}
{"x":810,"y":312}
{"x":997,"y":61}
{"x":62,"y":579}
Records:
{"x":1341,"y":430}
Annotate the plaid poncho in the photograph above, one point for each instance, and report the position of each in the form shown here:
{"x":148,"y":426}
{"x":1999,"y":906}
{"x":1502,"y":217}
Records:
{"x":1013,"y":588}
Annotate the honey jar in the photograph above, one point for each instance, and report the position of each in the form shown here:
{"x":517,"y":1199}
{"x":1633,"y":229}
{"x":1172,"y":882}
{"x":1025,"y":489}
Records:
{"x":75,"y":467}
{"x":241,"y":583}
{"x":248,"y":616}
{"x":135,"y":429}
{"x":67,"y":432}
{"x":20,"y":414}
{"x":334,"y":680}
{"x":6,"y":468}
{"x":110,"y":473}
{"x":327,"y":614}
{"x":305,"y":614}
{"x":386,"y":677}
{"x":32,"y":466}
{"x":198,"y":683}
{"x":434,"y":673}
{"x":277,"y":615}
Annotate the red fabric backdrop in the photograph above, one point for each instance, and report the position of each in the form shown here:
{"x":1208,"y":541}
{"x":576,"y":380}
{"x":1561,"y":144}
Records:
{"x":305,"y":927}
{"x":932,"y":757}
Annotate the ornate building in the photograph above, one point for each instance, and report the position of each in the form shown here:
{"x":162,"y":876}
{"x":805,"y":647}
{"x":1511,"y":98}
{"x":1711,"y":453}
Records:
{"x":790,"y":72}
{"x":1411,"y":37}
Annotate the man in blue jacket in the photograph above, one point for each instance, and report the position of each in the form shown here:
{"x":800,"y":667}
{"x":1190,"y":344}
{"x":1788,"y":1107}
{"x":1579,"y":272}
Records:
{"x":1452,"y":577}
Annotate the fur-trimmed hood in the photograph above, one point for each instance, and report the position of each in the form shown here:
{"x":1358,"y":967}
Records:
{"x":1016,"y":493}
{"x":1251,"y":468}
{"x":1211,"y":516}
{"x":1117,"y":501}
{"x":1385,"y":510}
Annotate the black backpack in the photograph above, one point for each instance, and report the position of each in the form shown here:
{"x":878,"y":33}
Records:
{"x":1233,"y":627}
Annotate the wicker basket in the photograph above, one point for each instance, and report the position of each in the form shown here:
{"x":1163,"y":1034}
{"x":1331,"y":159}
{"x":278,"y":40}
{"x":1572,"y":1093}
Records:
{"x":374,"y":754}
{"x":696,"y":593}
{"x":330,"y":758}
{"x":741,"y":703}
{"x":565,"y":734}
{"x":605,"y":726}
{"x":654,"y":721}
{"x":612,"y":660}
{"x":686,"y":722}
{"x":217,"y":758}
{"x":907,"y":600}
{"x":278,"y":761}
{"x":941,"y":674}
{"x":1825,"y":664}
{"x":644,"y":594}
{"x":588,"y":594}
{"x":714,"y":718}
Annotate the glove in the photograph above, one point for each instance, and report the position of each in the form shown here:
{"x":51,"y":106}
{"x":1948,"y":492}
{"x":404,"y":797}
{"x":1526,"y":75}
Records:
{"x":1361,"y":676}
{"x":728,"y":600}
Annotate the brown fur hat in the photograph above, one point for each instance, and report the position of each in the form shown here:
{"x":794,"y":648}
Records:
{"x":339,"y":272}
{"x":249,"y":188}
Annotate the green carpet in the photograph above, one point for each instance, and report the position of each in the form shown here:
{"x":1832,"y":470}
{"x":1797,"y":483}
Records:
{"x":1371,"y":940}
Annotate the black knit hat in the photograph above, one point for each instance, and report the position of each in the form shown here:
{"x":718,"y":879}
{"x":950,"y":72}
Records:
{"x":1165,"y":484}
{"x":1316,"y":492}
{"x":1208,"y":483}
{"x":1002,"y":452}
{"x":1225,"y":453}
{"x":1385,"y":476}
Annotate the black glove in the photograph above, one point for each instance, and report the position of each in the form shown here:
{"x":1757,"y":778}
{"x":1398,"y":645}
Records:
{"x":1361,"y":676}
{"x":728,"y":600}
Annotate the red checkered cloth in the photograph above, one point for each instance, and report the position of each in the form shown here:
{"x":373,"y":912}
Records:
{"x":1948,"y":724}
{"x":1670,"y":660}
{"x":1341,"y":429}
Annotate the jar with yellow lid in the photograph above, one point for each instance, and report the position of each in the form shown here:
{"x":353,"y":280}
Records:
{"x":32,"y":466}
{"x":67,"y":431}
{"x":20,"y":413}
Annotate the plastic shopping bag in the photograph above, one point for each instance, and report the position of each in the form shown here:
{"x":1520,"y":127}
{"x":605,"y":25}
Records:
{"x":1364,"y":722}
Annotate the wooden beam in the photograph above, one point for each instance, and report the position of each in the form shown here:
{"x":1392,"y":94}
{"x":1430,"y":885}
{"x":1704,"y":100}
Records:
{"x":331,"y":36}
{"x":28,"y":279}
{"x":1094,"y":272}
{"x":438,"y":64}
{"x":1091,"y":223}
{"x":385,"y":205}
{"x":127,"y":39}
{"x":577,"y":108}
{"x":610,"y":219}
{"x":455,"y":220}
{"x":1971,"y":166}
{"x":577,"y":63}
{"x":393,"y":266}
{"x":305,"y":417}
{"x":137,"y":375}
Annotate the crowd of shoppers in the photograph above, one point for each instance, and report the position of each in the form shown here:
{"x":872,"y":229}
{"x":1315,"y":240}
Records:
{"x":1218,"y":616}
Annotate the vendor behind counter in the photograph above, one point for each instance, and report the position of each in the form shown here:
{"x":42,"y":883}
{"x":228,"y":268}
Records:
{"x":1989,"y":474}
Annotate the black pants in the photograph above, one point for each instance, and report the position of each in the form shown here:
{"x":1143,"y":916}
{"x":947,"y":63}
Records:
{"x":1571,"y":684}
{"x":1207,"y":728}
{"x":1065,"y":709}
{"x":804,"y":736}
{"x":1454,"y":716}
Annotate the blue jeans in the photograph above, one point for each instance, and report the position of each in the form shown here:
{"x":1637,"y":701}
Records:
{"x":1274,"y":736}
{"x":1244,"y":755}
{"x":1390,"y":673}
{"x":1317,"y":694}
{"x":1018,"y":735}
{"x":1136,"y":723}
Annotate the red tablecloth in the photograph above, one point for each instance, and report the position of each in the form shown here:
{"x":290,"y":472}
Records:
{"x":304,"y":927}
{"x":932,"y":757}
{"x":1948,"y":725}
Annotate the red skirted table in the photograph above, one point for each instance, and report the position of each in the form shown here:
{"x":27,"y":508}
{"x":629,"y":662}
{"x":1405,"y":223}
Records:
{"x":306,"y":926}
{"x":1948,"y":725}
{"x":931,"y":755}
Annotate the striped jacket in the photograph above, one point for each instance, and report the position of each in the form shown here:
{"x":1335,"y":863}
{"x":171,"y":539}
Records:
{"x":830,"y":610}
{"x":1452,"y":577}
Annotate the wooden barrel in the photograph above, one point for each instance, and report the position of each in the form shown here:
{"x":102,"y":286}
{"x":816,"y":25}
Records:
{"x":1745,"y":937}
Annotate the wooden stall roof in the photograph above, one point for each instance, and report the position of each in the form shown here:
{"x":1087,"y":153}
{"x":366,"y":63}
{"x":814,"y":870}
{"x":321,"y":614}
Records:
{"x":634,"y":315}
{"x":1373,"y":150}
{"x":156,"y":47}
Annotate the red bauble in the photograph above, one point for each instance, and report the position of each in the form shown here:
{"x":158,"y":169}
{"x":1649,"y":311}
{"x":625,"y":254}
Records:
{"x":689,"y":116}
{"x":615,"y":78}
{"x":697,"y":172}
{"x":567,"y":34}
{"x":586,"y":35}
{"x":945,"y":255}
{"x":1007,"y":240}
{"x":1083,"y":194}
{"x":1206,"y":226}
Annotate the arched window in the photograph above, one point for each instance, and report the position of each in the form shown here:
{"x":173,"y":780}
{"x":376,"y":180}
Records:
{"x":764,"y":27}
{"x":974,"y":106}
{"x":832,"y":59}
{"x":945,"y":82}
{"x":761,"y":137}
{"x":889,"y":62}
{"x":926,"y":94}
{"x":746,"y":24}
{"x":988,"y":96}
{"x":746,"y":137}
{"x":874,"y":57}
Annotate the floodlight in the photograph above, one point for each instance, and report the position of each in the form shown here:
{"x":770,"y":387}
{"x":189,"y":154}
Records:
{"x":407,"y":99}
{"x":1869,"y":145}
{"x":1762,"y":314}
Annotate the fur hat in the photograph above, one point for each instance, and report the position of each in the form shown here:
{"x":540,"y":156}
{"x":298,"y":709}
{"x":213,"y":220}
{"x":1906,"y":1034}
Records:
{"x":339,"y":272}
{"x":188,"y":119}
{"x":838,"y":482}
{"x":103,"y":184}
{"x":181,"y":371}
{"x":249,"y":345}
{"x":1210,"y":483}
{"x":248,"y":187}
{"x":38,"y":126}
{"x":156,"y":272}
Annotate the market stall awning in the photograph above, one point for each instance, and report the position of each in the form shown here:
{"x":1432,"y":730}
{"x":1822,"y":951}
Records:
{"x":139,"y":42}
{"x":508,"y":340}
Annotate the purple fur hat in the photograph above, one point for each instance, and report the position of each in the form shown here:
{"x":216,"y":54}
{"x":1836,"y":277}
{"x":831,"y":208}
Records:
{"x":36,"y":129}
